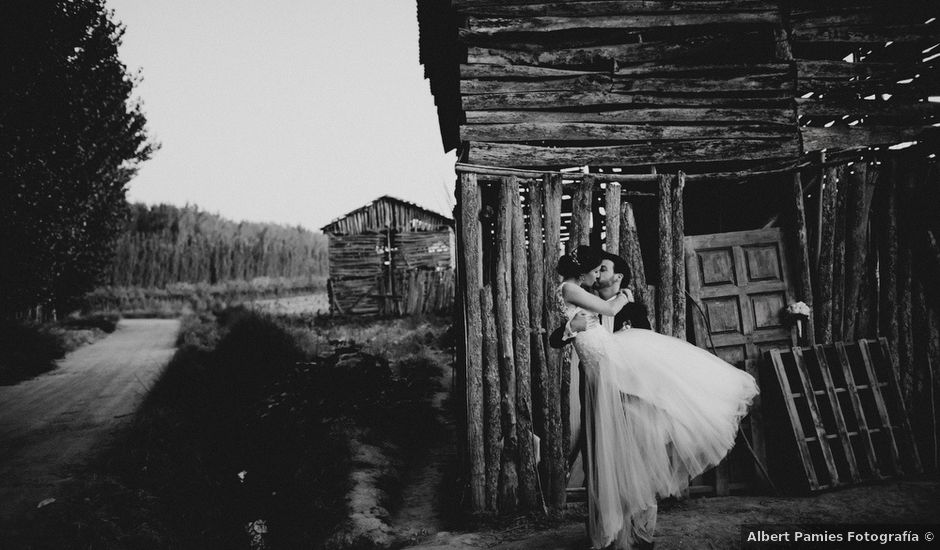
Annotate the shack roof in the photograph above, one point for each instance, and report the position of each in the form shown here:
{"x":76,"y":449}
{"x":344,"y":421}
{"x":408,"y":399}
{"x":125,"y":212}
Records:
{"x":706,"y":87}
{"x":387,"y":212}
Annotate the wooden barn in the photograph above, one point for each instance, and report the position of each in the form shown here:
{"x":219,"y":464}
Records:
{"x":743,"y":156}
{"x":391,"y":257}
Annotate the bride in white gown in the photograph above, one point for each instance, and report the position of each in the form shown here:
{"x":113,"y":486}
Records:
{"x":658,"y":409}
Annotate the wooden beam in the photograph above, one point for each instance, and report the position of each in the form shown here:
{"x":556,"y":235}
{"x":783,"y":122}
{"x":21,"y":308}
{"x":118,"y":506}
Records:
{"x":773,"y":83}
{"x":508,"y":500}
{"x":505,"y":154}
{"x":664,"y":290}
{"x":557,"y":441}
{"x":491,"y":399}
{"x":853,"y":137}
{"x":824,"y":270}
{"x":678,"y":256}
{"x":612,"y":217}
{"x":582,"y":213}
{"x":495,"y":25}
{"x":802,"y":254}
{"x":463,"y":167}
{"x":883,"y":111}
{"x":656,"y":115}
{"x":521,"y":335}
{"x":623,"y":54}
{"x":552,"y":131}
{"x":537,"y":321}
{"x":473,"y":276}
{"x":630,"y":251}
{"x":530,"y":8}
{"x":860,"y":35}
{"x":569,"y":99}
{"x":862,"y":185}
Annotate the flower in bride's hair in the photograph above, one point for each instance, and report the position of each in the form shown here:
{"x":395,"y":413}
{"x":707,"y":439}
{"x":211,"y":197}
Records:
{"x":574,"y":257}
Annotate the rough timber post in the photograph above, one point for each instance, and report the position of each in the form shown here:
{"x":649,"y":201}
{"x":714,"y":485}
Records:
{"x":557,"y":442}
{"x":826,"y":250}
{"x":664,"y":298}
{"x":802,"y":255}
{"x":888,"y":258}
{"x":581,"y":216}
{"x":581,"y":213}
{"x":537,"y":323}
{"x":508,"y":481}
{"x":612,"y":213}
{"x":491,"y":397}
{"x":838,"y":259}
{"x":856,"y":253}
{"x":630,"y":251}
{"x":905,"y":208}
{"x":678,"y":257}
{"x":473,"y":277}
{"x":528,"y":484}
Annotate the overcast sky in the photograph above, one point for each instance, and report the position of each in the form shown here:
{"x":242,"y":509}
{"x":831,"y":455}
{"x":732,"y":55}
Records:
{"x":287,"y":111}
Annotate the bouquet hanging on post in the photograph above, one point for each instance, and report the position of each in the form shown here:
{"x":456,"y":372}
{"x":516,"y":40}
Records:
{"x":797,"y":312}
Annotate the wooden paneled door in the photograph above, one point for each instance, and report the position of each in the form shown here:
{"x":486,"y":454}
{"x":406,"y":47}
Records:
{"x":742,"y":284}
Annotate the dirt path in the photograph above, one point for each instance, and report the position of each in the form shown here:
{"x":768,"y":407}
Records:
{"x":424,"y":504}
{"x":51,"y":423}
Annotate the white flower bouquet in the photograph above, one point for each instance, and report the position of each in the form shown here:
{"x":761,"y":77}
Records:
{"x":798,"y":312}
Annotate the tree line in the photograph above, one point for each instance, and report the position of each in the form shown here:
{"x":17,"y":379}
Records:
{"x":165,"y":244}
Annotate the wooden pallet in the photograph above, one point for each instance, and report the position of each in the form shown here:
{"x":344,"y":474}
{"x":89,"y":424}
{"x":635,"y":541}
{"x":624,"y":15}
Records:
{"x":846,"y":412}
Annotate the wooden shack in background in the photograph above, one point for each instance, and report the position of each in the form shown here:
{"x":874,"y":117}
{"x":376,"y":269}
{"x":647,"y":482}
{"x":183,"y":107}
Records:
{"x":751,"y":152}
{"x":391,"y":257}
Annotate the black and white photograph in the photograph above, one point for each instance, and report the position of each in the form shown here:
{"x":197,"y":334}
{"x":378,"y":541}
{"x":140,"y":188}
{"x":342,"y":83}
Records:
{"x":469,"y":274}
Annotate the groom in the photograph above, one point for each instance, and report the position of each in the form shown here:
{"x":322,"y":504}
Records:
{"x":614,"y":274}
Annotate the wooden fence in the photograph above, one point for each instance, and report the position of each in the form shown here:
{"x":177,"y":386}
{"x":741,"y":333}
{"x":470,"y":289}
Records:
{"x":511,"y":230}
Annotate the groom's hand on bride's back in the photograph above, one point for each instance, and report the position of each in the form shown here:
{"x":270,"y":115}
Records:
{"x":578,"y":323}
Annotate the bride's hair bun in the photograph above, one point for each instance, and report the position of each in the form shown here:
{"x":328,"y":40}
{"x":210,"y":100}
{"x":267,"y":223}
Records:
{"x":580,"y":260}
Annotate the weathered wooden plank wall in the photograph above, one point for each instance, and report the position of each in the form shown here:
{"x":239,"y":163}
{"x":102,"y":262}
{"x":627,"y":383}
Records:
{"x":387,"y":213}
{"x":380,"y":255}
{"x":694,"y":83}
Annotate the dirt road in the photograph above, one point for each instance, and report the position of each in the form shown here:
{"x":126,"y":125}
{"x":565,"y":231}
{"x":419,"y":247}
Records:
{"x":53,"y":422}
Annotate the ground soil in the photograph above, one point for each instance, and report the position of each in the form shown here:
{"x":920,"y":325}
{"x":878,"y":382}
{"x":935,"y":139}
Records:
{"x":715,"y":523}
{"x":52,"y":424}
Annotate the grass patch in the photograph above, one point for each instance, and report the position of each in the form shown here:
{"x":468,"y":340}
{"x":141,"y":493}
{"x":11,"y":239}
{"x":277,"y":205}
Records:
{"x":179,"y":299}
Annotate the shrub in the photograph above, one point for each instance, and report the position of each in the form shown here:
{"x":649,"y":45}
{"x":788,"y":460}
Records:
{"x":27,"y":349}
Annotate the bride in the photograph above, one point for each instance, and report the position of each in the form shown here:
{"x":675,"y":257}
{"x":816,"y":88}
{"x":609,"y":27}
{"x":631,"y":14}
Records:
{"x":658,"y":409}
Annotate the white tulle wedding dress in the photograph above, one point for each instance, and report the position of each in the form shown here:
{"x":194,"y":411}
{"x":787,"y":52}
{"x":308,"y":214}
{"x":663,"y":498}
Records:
{"x":658,"y":410}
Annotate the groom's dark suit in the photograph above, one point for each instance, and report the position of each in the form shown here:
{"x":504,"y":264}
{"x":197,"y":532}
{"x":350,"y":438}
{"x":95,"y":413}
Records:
{"x":633,"y":314}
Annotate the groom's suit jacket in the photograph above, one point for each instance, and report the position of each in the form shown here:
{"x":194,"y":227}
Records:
{"x":633,"y":314}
